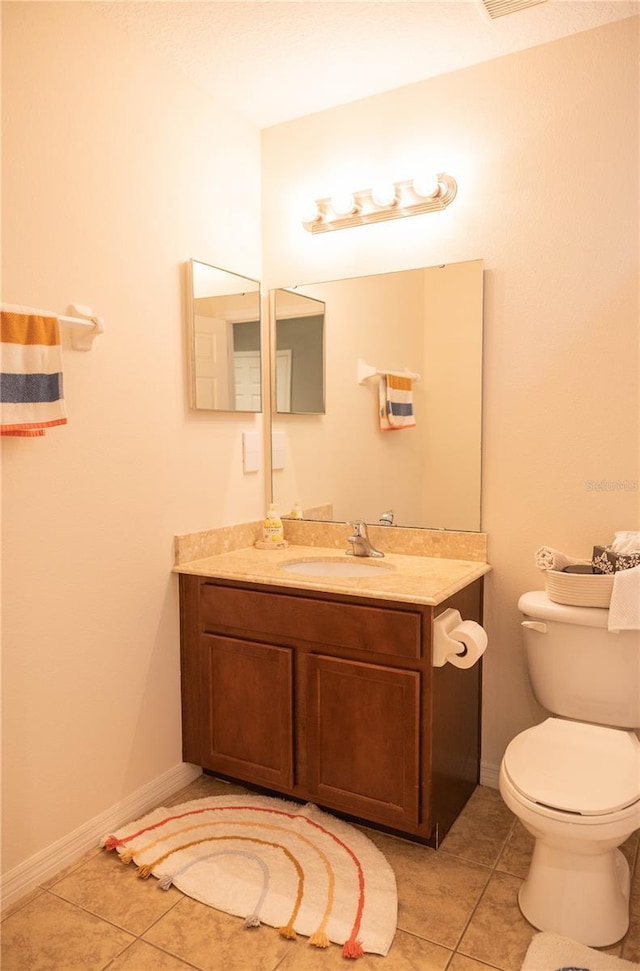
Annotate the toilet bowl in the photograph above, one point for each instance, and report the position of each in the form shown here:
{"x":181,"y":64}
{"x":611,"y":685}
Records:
{"x":575,"y":786}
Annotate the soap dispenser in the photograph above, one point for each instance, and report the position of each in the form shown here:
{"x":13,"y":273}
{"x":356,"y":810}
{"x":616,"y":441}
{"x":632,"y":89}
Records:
{"x":296,"y":511}
{"x":272,"y":531}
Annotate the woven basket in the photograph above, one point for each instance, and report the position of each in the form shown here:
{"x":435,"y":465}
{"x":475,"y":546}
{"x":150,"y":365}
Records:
{"x":579,"y":589}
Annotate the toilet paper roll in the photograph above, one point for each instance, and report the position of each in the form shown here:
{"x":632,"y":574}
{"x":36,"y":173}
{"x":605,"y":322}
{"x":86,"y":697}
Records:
{"x":473,"y":639}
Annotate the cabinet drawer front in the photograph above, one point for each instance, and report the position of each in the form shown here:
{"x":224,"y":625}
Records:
{"x":373,"y":629}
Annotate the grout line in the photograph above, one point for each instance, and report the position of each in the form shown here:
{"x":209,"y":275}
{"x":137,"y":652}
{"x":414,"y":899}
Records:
{"x":473,"y":910}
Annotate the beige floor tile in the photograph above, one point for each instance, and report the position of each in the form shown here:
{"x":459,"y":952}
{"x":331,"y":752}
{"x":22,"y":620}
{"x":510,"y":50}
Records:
{"x":629,"y":848}
{"x":22,"y":902}
{"x":498,"y":934}
{"x":460,"y":962}
{"x":213,"y":941}
{"x":50,"y":934}
{"x":481,"y":830}
{"x":88,"y":917}
{"x":407,"y":953}
{"x":631,"y":945}
{"x":110,"y":889}
{"x":635,"y":888}
{"x":89,"y":855}
{"x":140,"y":956}
{"x":436,"y":891}
{"x":516,"y":855}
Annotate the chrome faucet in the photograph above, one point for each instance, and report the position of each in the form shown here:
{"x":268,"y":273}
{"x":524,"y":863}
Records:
{"x":360,"y":541}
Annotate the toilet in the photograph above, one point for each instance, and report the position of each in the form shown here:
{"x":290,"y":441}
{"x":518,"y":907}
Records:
{"x":574,"y":780}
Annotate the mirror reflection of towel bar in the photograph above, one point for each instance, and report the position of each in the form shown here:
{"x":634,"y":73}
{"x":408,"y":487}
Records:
{"x":366,"y":371}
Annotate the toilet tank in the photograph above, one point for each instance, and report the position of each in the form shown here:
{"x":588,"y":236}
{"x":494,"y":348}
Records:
{"x":577,"y":667}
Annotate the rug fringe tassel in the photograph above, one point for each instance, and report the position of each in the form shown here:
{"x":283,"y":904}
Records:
{"x":252,"y":921}
{"x":127,"y":856}
{"x":144,"y":871}
{"x":319,"y":939}
{"x":110,"y":842}
{"x":288,"y":932}
{"x":352,"y":949}
{"x":165,"y":883}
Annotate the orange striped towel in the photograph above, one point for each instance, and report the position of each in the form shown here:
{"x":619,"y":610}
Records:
{"x":31,"y":397}
{"x":396,"y":402}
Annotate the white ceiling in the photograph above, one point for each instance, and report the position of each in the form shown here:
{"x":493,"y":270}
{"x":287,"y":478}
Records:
{"x":275,"y":60}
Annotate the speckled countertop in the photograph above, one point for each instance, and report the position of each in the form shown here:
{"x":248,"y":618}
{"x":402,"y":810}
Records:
{"x":412,"y":579}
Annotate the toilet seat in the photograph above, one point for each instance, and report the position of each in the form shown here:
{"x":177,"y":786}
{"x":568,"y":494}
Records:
{"x":575,"y":767}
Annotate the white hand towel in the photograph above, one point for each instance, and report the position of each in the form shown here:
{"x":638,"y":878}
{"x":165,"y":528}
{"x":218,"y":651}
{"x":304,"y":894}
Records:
{"x":549,"y":559}
{"x":626,"y":541}
{"x":624,"y":609}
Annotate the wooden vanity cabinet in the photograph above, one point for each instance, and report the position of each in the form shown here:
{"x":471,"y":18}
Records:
{"x":330,"y":699}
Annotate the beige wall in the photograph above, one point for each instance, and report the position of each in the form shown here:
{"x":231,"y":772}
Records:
{"x":452,"y":417}
{"x":116,"y":171}
{"x":544,"y":145}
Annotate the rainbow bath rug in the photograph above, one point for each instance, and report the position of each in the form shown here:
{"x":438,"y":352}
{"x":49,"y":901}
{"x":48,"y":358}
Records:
{"x":270,"y":861}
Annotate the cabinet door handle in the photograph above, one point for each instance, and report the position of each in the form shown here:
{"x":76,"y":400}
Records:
{"x":535,"y":625}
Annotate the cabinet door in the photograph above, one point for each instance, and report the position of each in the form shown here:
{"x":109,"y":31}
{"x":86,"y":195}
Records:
{"x":363,"y":739}
{"x":248,"y":710}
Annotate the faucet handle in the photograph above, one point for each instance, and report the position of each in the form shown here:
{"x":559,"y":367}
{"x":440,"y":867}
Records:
{"x":360,"y":528}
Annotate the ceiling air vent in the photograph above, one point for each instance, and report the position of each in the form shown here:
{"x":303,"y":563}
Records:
{"x":499,"y":8}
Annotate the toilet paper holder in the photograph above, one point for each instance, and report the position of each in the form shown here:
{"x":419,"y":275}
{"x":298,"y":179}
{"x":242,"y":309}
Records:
{"x":457,"y":642}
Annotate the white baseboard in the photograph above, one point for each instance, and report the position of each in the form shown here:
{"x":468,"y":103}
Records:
{"x":65,"y":851}
{"x":489,"y":774}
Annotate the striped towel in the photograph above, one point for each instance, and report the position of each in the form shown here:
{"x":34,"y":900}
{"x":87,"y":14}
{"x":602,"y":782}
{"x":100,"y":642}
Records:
{"x":31,"y":398}
{"x":396,"y":403}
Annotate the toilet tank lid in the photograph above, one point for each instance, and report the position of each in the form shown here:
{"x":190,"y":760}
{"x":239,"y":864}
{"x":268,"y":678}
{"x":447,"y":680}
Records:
{"x":535,"y":603}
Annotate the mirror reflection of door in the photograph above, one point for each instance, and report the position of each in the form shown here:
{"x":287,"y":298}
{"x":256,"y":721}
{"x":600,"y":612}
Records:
{"x":246,"y":371}
{"x":211,"y":362}
{"x":225,"y":352}
{"x":283,"y":380}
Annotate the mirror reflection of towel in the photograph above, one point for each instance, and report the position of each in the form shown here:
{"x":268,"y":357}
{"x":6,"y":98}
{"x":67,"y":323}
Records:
{"x":31,"y":398}
{"x":396,"y":403}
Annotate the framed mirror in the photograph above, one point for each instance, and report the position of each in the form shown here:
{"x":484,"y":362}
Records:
{"x":342,"y":465}
{"x":298,"y":354}
{"x":225,"y":371}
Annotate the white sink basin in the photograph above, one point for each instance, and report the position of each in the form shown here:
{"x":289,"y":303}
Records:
{"x":348,"y":567}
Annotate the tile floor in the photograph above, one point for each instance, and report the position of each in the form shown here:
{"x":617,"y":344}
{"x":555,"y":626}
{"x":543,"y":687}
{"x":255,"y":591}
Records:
{"x":457,"y":910}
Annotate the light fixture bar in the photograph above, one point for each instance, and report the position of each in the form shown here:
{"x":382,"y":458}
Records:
{"x":407,"y":202}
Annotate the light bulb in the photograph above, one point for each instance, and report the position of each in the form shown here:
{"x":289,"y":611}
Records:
{"x":426,"y":186}
{"x":384,"y":195}
{"x":310,"y":212}
{"x":343,"y":203}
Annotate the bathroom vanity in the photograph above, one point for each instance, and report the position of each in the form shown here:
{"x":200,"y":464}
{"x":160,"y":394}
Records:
{"x":323,"y":689}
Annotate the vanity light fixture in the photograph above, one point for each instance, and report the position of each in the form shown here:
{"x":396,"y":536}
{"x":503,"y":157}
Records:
{"x":344,"y":204}
{"x":385,"y":201}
